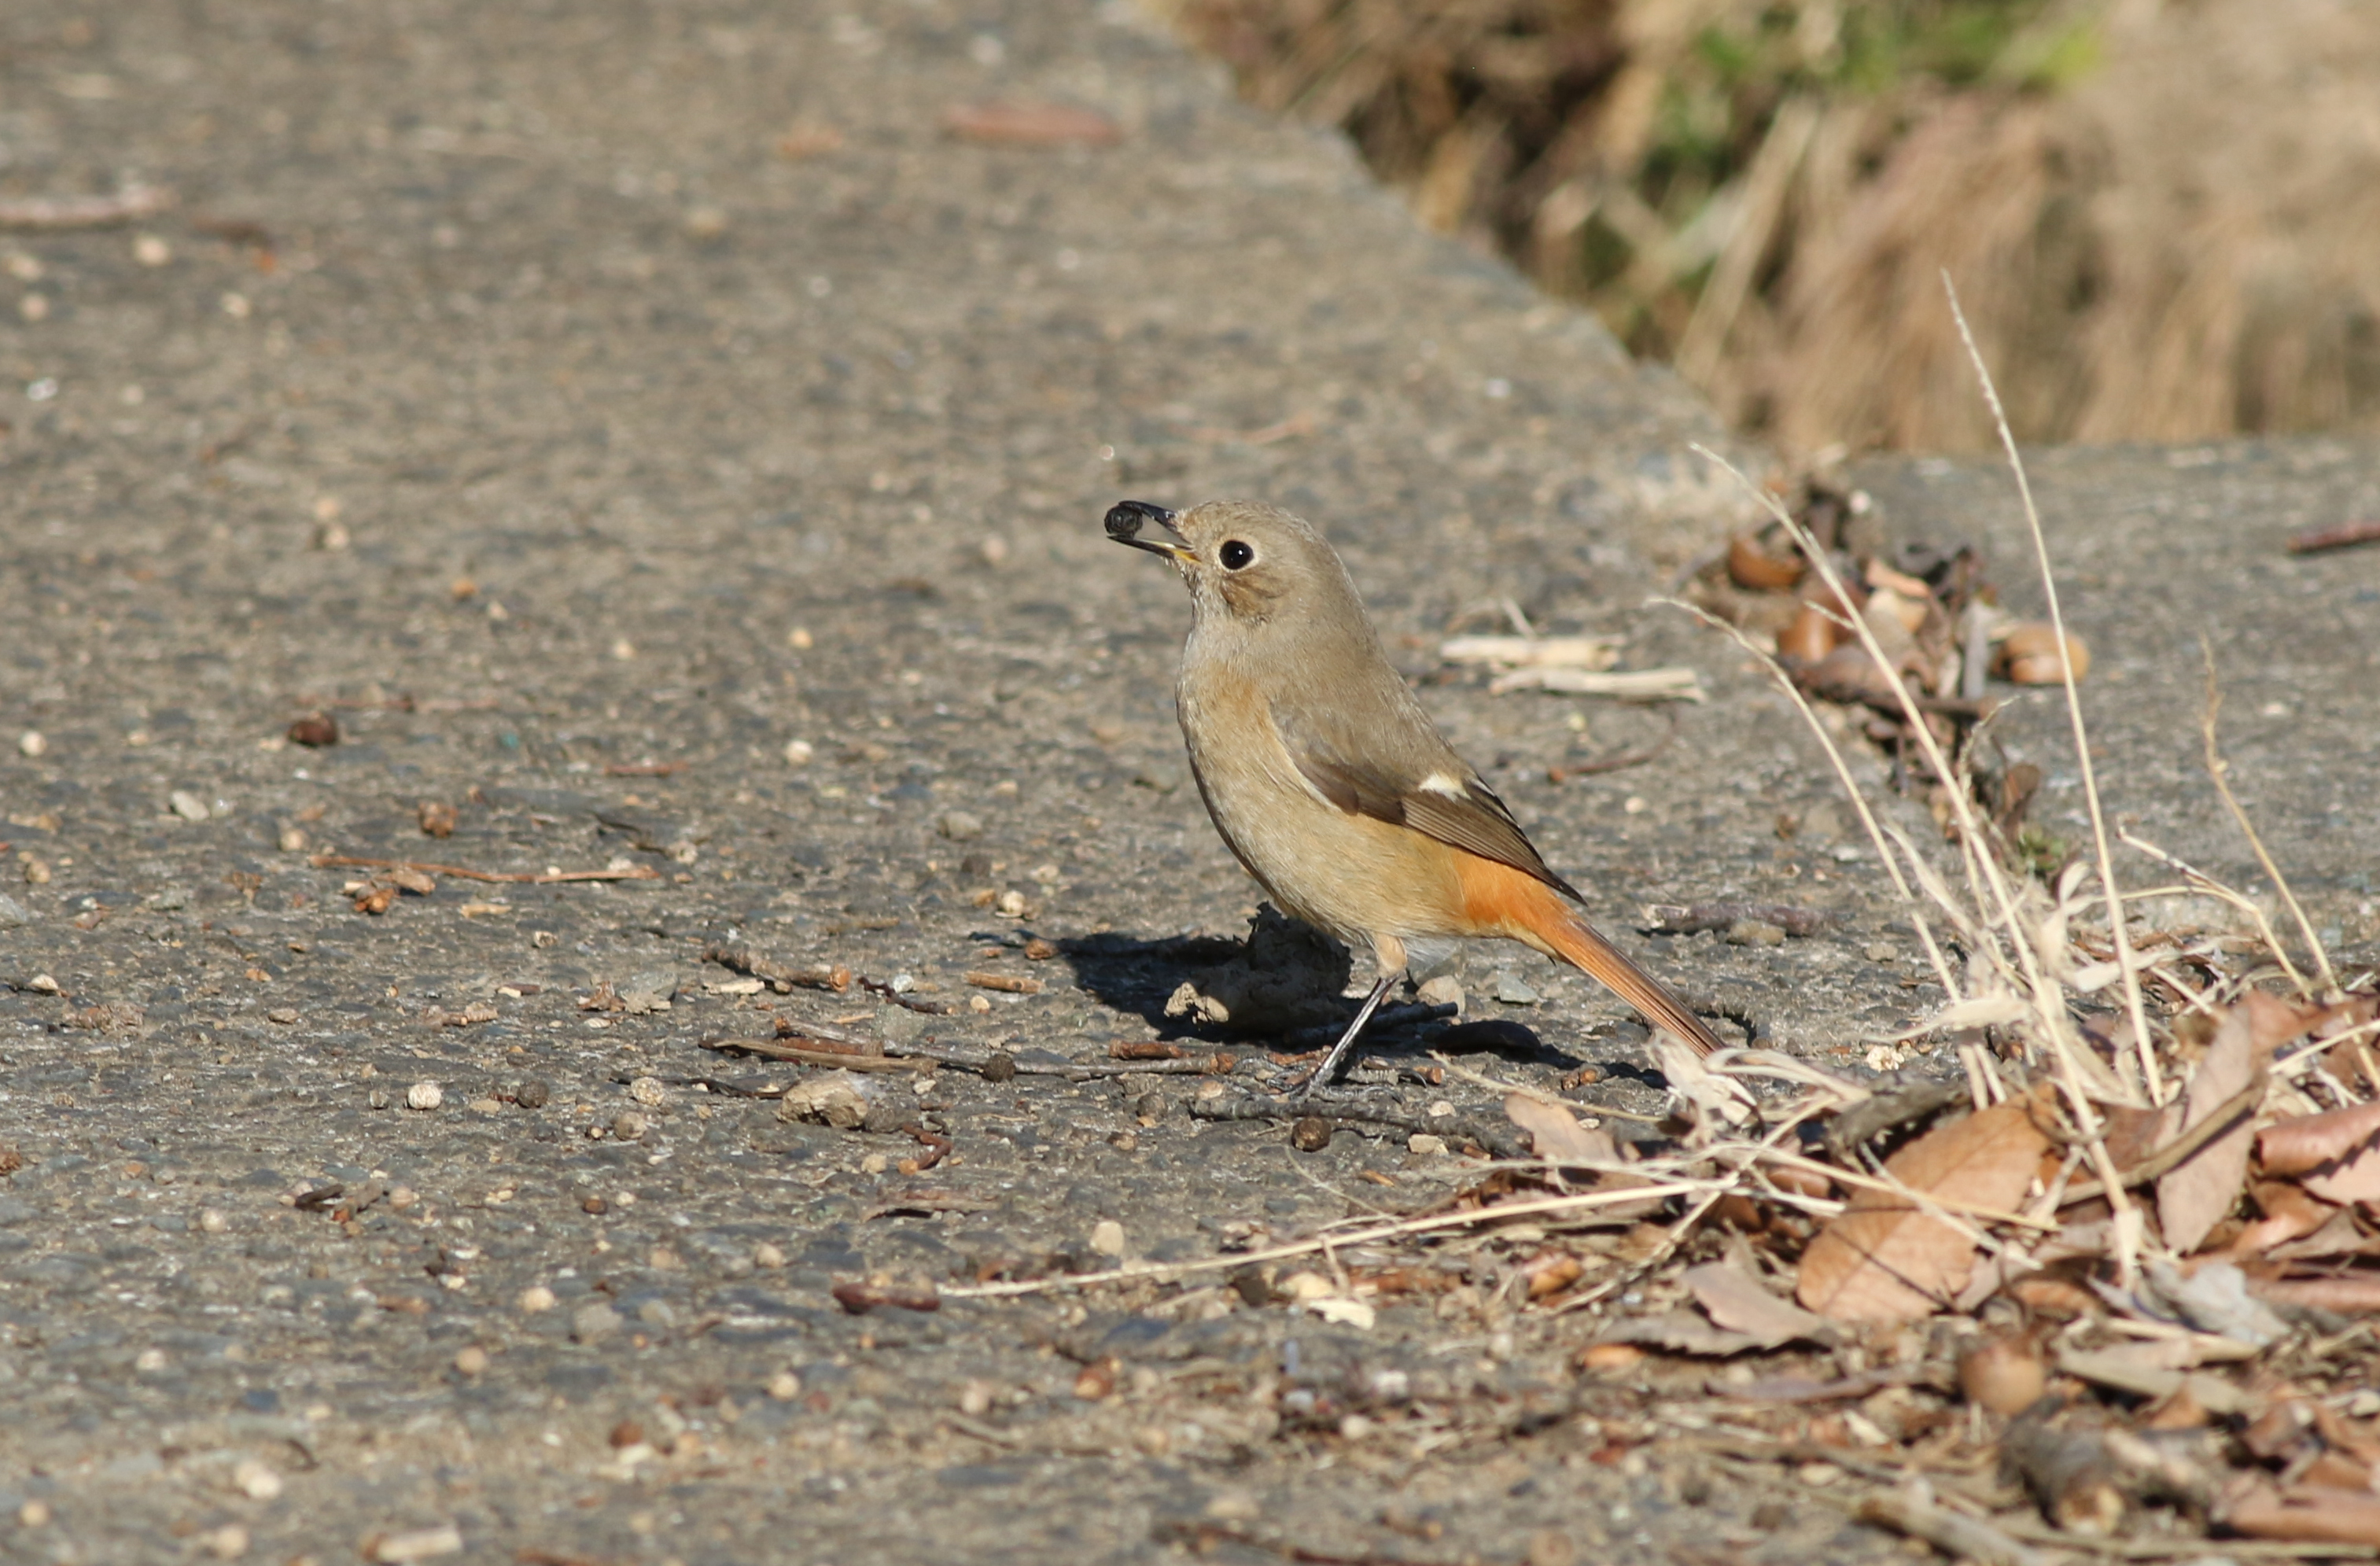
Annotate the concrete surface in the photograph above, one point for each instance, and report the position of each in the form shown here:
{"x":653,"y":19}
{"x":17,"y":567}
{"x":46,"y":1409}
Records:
{"x":498,"y":386}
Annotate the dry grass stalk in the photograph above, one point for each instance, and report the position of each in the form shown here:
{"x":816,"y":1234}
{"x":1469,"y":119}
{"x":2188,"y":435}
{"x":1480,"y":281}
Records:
{"x":2073,"y":707}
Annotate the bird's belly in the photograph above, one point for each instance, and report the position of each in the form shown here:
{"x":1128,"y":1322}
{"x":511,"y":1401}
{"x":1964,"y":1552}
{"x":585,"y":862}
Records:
{"x":1355,"y":877}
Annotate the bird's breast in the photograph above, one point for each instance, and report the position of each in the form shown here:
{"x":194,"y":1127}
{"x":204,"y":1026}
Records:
{"x":1352,"y":875}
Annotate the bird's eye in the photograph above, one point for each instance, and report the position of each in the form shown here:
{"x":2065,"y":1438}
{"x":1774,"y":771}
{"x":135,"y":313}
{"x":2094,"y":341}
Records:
{"x":1235,"y":555}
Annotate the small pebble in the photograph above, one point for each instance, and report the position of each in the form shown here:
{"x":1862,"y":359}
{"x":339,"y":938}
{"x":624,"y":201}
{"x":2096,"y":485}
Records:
{"x":1158,"y":778}
{"x":33,"y":1514}
{"x":293,"y":840}
{"x":628,"y":1126}
{"x":188,"y":806}
{"x":648,"y":1091}
{"x":226,"y":1543}
{"x":151,"y":250}
{"x":256,"y":1480}
{"x":1549,"y":1548}
{"x":784,"y":1386}
{"x":974,"y":1399}
{"x":420,"y":1544}
{"x":314,"y":731}
{"x":282,"y":1014}
{"x":1513,"y":990}
{"x":471,"y":1360}
{"x":1879,"y":951}
{"x":214,"y":1220}
{"x":1011,"y":904}
{"x":535,"y":1298}
{"x":594,"y":1205}
{"x":1423,"y":1143}
{"x":798,"y":752}
{"x":768,"y":1256}
{"x":1754,"y":932}
{"x":960,"y":825}
{"x":32,"y":742}
{"x":42,"y":984}
{"x":592,"y":1323}
{"x":424,"y":1096}
{"x":1310,"y":1135}
{"x":1107,"y":1237}
{"x":1443,"y":990}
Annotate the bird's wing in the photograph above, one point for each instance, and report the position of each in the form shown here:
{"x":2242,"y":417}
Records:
{"x":1399,"y":770}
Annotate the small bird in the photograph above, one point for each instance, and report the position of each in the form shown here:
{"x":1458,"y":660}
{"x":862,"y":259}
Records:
{"x":1329,"y":782}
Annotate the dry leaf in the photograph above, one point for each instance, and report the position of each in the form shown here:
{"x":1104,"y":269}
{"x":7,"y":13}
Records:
{"x":2289,"y":1213}
{"x":1682,"y":1331}
{"x":2304,"y":1511}
{"x":2356,"y":1294}
{"x":1884,"y":1260}
{"x":2336,"y":1156}
{"x":1741,"y":1302}
{"x":2216,"y":1299}
{"x":2196,"y":1193}
{"x":1031,"y":125}
{"x":1556,"y":1133}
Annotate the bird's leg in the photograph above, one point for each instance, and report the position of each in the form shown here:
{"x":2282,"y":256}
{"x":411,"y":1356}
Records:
{"x":1323,"y":1072}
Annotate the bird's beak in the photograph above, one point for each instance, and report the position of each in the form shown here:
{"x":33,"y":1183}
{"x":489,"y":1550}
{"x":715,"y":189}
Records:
{"x":1124,"y":524}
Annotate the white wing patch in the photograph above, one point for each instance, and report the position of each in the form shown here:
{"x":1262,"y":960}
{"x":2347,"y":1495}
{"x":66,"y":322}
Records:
{"x":1445,"y":783}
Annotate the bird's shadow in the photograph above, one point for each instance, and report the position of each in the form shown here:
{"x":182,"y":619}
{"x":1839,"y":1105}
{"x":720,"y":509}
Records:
{"x":1139,"y":976}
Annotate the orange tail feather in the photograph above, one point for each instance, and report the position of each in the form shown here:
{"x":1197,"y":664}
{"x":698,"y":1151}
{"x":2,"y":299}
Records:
{"x":1529,"y":911}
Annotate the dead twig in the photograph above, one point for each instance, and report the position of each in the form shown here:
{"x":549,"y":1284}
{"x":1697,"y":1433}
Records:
{"x":52,"y":214}
{"x":1619,"y":763}
{"x":1912,"y":1510}
{"x":2339,"y":535}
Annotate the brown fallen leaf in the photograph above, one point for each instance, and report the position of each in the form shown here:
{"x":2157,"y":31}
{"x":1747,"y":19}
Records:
{"x":2028,"y":655}
{"x":2197,"y":1194}
{"x":1556,"y":1133}
{"x":1741,"y":1302}
{"x":1883,"y":1260}
{"x":2290,"y":1212}
{"x":2336,"y":1156}
{"x":1022,"y":124}
{"x":438,"y":818}
{"x":2311,"y":1512}
{"x":1750,"y":566}
{"x":2354,"y":1293}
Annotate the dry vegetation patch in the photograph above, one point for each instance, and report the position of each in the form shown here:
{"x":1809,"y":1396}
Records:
{"x":2163,"y":215}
